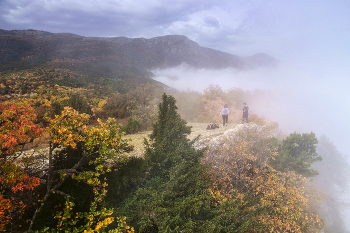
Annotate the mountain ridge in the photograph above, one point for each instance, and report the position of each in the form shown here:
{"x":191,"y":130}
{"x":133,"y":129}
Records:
{"x":118,"y":64}
{"x":157,"y":52}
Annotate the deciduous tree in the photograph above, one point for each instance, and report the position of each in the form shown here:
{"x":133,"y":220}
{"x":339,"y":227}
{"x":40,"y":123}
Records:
{"x":267,"y":200}
{"x":97,"y":144}
{"x":17,"y":125}
{"x":17,"y":128}
{"x":297,"y":153}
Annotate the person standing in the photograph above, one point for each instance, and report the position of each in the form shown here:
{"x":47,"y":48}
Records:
{"x":224,"y":112}
{"x":245,"y":112}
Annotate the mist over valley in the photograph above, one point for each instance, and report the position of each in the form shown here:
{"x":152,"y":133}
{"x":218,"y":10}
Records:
{"x":296,"y":99}
{"x":78,"y":79}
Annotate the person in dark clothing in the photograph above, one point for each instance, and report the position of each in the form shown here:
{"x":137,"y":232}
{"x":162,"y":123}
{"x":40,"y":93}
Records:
{"x":224,"y":112}
{"x":245,"y":112}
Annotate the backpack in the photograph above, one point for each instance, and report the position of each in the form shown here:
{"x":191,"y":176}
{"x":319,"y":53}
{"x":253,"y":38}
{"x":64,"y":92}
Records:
{"x":212,"y":126}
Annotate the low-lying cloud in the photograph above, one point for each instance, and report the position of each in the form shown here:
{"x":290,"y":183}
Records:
{"x":301,"y":100}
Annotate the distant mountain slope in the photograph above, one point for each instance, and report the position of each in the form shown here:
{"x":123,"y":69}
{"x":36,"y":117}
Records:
{"x":30,"y":59}
{"x":31,"y":47}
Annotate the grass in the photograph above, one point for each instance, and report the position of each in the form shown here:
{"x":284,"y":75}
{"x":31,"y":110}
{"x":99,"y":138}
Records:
{"x":197,"y":129}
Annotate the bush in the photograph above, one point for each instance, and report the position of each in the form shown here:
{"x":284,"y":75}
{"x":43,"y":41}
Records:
{"x":257,"y":120}
{"x":117,"y":106}
{"x":145,"y":115}
{"x":79,"y":103}
{"x":133,"y":126}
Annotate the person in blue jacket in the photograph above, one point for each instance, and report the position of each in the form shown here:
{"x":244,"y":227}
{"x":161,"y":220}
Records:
{"x":224,"y":112}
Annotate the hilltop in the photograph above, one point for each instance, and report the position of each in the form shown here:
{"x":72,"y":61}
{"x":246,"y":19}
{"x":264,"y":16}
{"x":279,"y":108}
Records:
{"x":207,"y":138}
{"x":123,"y":62}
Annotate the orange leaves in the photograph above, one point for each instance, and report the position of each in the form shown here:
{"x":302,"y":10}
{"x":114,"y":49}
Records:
{"x":68,"y":129}
{"x":26,"y":182}
{"x":8,"y":209}
{"x":17,"y":125}
{"x":273,"y":201}
{"x":14,"y":177}
{"x":13,"y":182}
{"x":241,"y":156}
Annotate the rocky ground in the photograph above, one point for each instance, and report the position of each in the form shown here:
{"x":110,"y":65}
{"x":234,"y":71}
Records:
{"x":198,"y":129}
{"x":210,"y":138}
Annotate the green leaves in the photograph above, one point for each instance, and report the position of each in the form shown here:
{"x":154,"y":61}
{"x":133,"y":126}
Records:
{"x":175,"y":195}
{"x":169,"y":134}
{"x":297,"y":153}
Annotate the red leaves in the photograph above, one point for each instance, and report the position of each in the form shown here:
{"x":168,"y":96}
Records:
{"x":13,"y":181}
{"x":14,"y":177}
{"x":17,"y":125}
{"x":8,"y":208}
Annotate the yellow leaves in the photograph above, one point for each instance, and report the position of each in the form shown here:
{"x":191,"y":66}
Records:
{"x":276,"y":201}
{"x":285,"y":193}
{"x":242,"y":155}
{"x":103,"y":224}
{"x":67,"y":128}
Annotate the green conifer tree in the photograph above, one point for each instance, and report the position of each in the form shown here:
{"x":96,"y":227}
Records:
{"x":169,"y":132}
{"x":175,"y":196}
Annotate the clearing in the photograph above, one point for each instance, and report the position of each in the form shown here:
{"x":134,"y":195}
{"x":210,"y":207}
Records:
{"x":197,"y":129}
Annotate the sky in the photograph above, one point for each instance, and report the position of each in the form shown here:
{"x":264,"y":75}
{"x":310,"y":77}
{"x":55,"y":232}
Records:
{"x":310,"y":39}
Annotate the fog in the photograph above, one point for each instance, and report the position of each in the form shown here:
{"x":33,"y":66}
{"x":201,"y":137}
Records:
{"x":301,"y":99}
{"x":306,"y":94}
{"x":309,"y":87}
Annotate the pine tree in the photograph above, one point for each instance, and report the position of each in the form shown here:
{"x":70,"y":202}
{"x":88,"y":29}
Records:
{"x":169,"y":132}
{"x":176,"y":195}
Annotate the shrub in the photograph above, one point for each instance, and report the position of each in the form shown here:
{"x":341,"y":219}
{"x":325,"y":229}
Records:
{"x":133,"y":126}
{"x":145,"y":115}
{"x":257,"y":120}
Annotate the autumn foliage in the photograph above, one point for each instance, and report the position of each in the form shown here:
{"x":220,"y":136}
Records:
{"x":243,"y":183}
{"x":94,"y":145}
{"x":17,"y":125}
{"x":15,"y":188}
{"x":17,"y":128}
{"x":272,"y":201}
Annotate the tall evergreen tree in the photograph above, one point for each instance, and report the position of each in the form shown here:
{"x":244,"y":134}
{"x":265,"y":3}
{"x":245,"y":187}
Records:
{"x":175,"y":196}
{"x":169,"y":133}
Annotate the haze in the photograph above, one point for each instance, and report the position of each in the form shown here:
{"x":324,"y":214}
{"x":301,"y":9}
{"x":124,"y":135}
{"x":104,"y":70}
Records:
{"x":309,"y":38}
{"x":301,"y":100}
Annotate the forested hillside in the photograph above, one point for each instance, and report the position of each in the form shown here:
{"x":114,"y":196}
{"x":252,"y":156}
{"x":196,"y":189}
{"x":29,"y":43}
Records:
{"x":248,"y":179}
{"x":68,"y":127}
{"x":109,"y":64}
{"x":30,"y":47}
